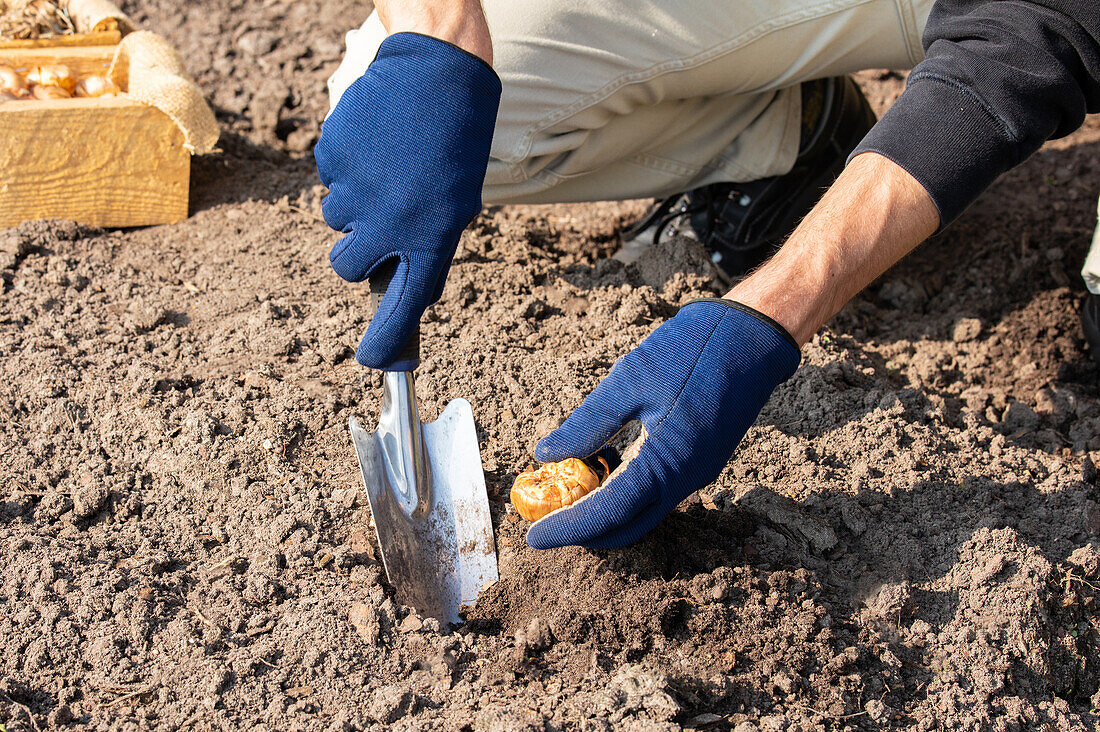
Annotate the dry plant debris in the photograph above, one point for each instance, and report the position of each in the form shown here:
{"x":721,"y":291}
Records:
{"x":28,"y":19}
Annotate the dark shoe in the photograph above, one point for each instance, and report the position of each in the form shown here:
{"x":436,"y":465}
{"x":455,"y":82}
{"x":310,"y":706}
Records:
{"x":1090,"y":323}
{"x":741,"y":224}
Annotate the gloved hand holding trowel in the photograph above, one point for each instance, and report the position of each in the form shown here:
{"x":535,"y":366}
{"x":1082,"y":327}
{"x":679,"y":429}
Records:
{"x":403,"y":155}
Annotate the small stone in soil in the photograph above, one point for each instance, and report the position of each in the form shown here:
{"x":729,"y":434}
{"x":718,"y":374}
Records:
{"x":1088,"y":470}
{"x":538,"y":634}
{"x":1019,"y":417}
{"x":89,"y":497}
{"x":704,"y":720}
{"x":411,"y":624}
{"x":966,"y":329}
{"x":390,"y":704}
{"x":365,"y":621}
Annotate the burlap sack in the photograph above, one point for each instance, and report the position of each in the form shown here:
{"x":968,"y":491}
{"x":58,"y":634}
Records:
{"x":91,"y":16}
{"x":148,"y":69}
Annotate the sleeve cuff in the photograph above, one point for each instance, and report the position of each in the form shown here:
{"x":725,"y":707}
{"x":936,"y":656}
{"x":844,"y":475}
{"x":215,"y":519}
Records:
{"x":947,"y":139}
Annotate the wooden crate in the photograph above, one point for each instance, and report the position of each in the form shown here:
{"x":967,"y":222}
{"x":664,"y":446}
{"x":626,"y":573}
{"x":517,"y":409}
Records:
{"x":107,"y":161}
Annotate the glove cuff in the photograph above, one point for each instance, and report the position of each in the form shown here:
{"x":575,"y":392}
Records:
{"x":750,"y":311}
{"x":479,"y":74}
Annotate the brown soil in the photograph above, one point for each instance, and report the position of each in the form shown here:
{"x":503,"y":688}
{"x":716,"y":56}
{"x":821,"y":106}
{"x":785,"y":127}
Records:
{"x":908,"y":538}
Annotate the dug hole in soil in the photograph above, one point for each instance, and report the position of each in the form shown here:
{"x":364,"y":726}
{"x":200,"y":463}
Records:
{"x":909,"y":538}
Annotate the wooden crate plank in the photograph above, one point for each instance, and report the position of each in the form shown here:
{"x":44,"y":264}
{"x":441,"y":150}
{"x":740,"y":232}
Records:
{"x":99,"y":38}
{"x":83,"y":60}
{"x":103,"y":162}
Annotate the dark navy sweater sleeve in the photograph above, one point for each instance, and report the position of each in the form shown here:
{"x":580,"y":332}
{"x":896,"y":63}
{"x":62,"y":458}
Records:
{"x":999,"y":78}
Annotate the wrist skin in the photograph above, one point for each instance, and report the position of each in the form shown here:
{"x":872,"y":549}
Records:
{"x":872,"y":216}
{"x":459,"y":22}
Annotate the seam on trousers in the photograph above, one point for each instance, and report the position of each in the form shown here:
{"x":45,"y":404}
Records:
{"x":517,"y":174}
{"x":688,"y":173}
{"x":664,"y":165}
{"x":752,"y":34}
{"x":643,"y":160}
{"x":647,"y":160}
{"x":908,"y":21}
{"x":732,"y":166}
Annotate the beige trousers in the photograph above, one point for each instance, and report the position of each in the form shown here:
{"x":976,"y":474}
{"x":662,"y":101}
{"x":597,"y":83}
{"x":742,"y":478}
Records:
{"x":613,"y":99}
{"x":1091,"y":270}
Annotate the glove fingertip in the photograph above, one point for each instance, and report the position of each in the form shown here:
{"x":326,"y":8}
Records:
{"x":584,"y":432}
{"x":553,"y":448}
{"x":367,"y":354}
{"x":565,"y":527}
{"x":398,"y":315}
{"x":346,"y":260}
{"x":540,"y":540}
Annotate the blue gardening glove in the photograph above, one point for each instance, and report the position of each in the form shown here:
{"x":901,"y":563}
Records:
{"x":403,"y":155}
{"x":697,"y":384}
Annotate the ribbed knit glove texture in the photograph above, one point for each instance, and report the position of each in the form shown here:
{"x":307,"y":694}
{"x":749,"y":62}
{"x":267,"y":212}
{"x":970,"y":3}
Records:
{"x":403,"y":155}
{"x":697,"y":384}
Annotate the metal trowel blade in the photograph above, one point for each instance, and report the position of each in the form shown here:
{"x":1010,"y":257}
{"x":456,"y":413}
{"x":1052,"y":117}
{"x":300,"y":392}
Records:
{"x":437,"y":559}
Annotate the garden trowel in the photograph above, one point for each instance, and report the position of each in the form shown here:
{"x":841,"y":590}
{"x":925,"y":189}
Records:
{"x":427,"y":494}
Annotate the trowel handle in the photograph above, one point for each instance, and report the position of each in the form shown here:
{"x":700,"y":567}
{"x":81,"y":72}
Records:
{"x":409,"y":358}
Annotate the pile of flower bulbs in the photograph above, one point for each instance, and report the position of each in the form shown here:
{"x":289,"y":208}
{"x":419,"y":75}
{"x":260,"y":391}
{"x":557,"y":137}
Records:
{"x":53,"y":81}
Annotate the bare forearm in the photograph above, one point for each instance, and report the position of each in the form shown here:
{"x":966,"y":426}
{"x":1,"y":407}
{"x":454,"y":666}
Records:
{"x":460,"y":22}
{"x":872,"y":216}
